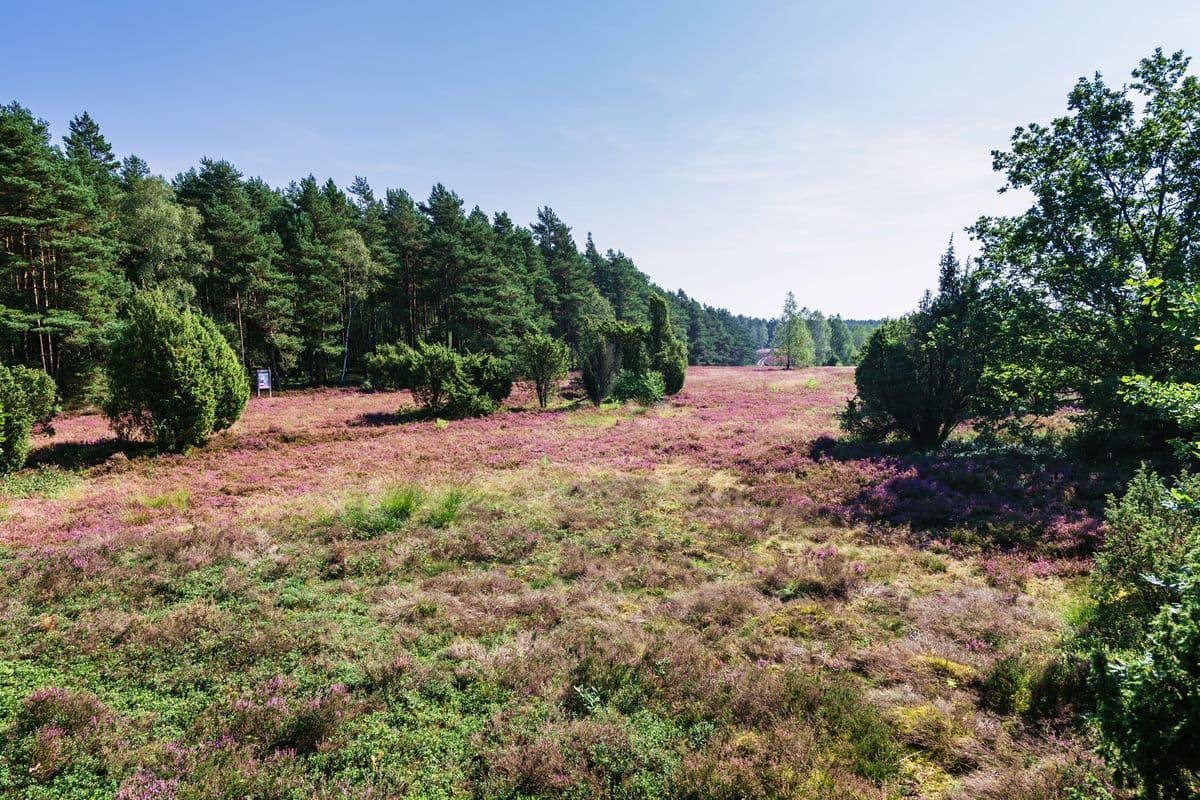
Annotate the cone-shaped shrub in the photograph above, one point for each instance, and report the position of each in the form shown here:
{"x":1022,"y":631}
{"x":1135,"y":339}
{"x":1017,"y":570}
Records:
{"x":668,"y":354}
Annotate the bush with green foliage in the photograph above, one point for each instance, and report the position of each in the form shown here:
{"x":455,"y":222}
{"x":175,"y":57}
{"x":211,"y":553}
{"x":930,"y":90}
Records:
{"x":492,"y":376}
{"x":1148,"y":697}
{"x":27,"y":398}
{"x":647,"y":388}
{"x":1149,"y":532}
{"x":172,"y":377}
{"x":631,"y":342}
{"x":389,"y":366}
{"x":599,"y":361}
{"x":442,"y":381}
{"x":543,"y":360}
{"x":668,"y":354}
{"x":1144,"y":632}
{"x":919,"y":374}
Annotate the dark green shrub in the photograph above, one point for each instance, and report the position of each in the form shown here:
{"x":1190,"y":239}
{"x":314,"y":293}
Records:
{"x":599,"y":361}
{"x":919,"y":374}
{"x":466,"y":401}
{"x":1150,"y":530}
{"x":27,"y":398}
{"x":442,"y":381}
{"x":435,"y":372}
{"x":668,"y":353}
{"x":1005,"y":688}
{"x":631,"y":342}
{"x":490,"y":375}
{"x":671,"y":363}
{"x":389,"y":366}
{"x":543,"y":360}
{"x":645,"y":387}
{"x":171,"y":376}
{"x":1148,"y":697}
{"x":230,"y":387}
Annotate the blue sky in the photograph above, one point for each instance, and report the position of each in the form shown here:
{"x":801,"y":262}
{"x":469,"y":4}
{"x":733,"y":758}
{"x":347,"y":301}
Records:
{"x":737,"y":150}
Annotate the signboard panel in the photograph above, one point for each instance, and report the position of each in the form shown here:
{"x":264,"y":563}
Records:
{"x":263,"y":380}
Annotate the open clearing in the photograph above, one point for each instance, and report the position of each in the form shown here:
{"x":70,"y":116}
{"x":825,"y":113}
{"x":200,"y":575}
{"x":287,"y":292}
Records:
{"x":707,"y":598}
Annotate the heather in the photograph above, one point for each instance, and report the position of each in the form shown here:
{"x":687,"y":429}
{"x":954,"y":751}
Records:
{"x":708,"y":597}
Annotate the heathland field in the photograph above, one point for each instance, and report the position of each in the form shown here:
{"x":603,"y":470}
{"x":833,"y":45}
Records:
{"x":708,"y":598}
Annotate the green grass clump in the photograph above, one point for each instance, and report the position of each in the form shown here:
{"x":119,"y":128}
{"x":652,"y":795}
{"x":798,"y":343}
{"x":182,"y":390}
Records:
{"x":389,"y":512}
{"x":177,"y":499}
{"x":445,"y":509}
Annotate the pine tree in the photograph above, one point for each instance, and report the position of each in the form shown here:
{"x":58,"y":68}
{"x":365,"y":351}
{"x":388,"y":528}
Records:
{"x":90,"y":153}
{"x":576,"y":297}
{"x":59,"y":280}
{"x":245,"y":286}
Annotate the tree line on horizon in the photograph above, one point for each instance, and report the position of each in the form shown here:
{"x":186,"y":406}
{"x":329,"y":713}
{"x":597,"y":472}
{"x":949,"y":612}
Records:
{"x":306,"y":280}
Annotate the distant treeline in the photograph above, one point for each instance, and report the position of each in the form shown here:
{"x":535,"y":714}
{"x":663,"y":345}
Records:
{"x":305,"y":280}
{"x":764,"y":332}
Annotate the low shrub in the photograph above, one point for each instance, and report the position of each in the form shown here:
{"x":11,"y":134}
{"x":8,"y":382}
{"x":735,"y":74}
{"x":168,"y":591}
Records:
{"x":272,"y":718}
{"x":442,"y":381}
{"x":1005,"y":687}
{"x":1148,"y":697}
{"x":1150,"y":530}
{"x":389,"y":366}
{"x":647,"y":388}
{"x":27,"y":398}
{"x":489,"y":374}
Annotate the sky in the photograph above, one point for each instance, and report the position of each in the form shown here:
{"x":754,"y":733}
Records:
{"x":735,"y":149}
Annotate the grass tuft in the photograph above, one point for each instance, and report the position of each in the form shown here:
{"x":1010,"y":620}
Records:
{"x":445,"y":509}
{"x":389,"y":512}
{"x":177,"y":499}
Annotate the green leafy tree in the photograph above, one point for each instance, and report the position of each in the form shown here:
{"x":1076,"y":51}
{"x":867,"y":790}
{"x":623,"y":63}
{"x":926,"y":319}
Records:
{"x":841,"y":343}
{"x":1115,"y":202}
{"x":172,"y":377}
{"x":160,"y":244}
{"x":821,"y":333}
{"x":543,"y":360}
{"x":793,"y":345}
